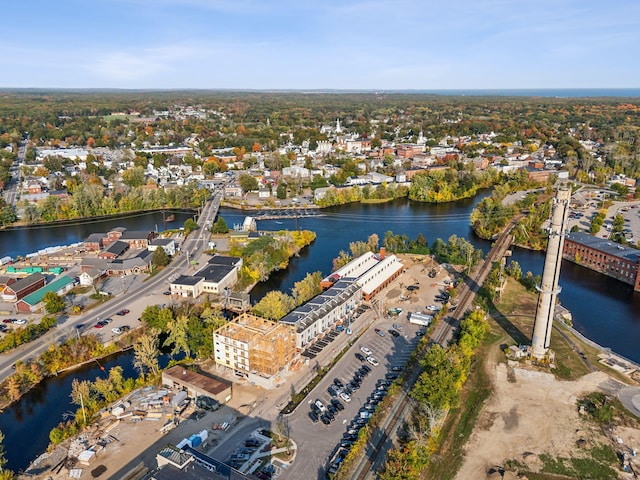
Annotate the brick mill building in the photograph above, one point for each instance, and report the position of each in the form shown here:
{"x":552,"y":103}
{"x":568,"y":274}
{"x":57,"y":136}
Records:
{"x":604,"y":256}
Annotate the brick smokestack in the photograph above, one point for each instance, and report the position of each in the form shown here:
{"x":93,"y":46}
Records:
{"x":382,"y":253}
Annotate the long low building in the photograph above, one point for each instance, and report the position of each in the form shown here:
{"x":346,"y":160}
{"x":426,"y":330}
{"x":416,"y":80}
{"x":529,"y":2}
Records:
{"x":35,"y":301}
{"x":603,"y":256}
{"x":197,"y":384}
{"x":373,"y":272}
{"x":313,"y":318}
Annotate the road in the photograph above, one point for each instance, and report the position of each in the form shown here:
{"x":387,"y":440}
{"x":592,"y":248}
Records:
{"x":11,"y":190}
{"x":195,"y":244}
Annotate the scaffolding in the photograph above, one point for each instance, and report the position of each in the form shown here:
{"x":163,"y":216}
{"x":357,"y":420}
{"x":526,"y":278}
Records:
{"x":254,"y":344}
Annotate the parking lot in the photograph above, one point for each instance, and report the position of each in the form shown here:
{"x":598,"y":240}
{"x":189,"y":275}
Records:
{"x":315,"y":440}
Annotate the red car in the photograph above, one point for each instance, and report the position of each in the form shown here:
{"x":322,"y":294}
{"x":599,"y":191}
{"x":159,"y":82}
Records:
{"x":122,"y":312}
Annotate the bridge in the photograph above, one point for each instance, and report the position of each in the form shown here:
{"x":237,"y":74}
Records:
{"x":383,"y":437}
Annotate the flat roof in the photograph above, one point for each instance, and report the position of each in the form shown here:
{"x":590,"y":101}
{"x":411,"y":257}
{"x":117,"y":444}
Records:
{"x":223,"y":260}
{"x":187,"y":280}
{"x":198,"y":380}
{"x":214,"y":273}
{"x":606,"y":246}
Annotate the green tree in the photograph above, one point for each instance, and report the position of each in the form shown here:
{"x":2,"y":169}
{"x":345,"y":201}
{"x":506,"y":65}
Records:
{"x":281,"y":191}
{"x":160,"y":257}
{"x":189,"y":226}
{"x":4,"y":474}
{"x":220,"y":226}
{"x":178,"y":336}
{"x":248,"y":182}
{"x":53,"y":303}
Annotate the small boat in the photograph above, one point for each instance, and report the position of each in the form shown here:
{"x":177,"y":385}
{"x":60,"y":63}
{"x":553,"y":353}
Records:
{"x":171,"y":218}
{"x":279,"y":223}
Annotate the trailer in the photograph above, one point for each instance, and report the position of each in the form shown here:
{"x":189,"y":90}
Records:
{"x":420,"y":319}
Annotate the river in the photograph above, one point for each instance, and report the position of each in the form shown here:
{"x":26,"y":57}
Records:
{"x":605,"y":310}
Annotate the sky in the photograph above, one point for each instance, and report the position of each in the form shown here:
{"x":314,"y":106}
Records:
{"x":320,"y":44}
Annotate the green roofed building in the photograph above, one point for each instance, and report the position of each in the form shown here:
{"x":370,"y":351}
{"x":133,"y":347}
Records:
{"x":34,"y":301}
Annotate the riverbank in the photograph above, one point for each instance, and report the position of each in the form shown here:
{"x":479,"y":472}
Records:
{"x":101,"y":218}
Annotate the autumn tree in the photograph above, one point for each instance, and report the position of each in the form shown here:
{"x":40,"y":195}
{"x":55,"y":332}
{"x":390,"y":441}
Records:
{"x":274,"y":305}
{"x":133,"y":177}
{"x":53,"y":303}
{"x":146,"y":352}
{"x":307,"y":288}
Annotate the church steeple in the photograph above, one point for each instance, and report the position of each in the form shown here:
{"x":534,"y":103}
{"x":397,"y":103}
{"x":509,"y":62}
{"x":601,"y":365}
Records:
{"x":338,"y":127}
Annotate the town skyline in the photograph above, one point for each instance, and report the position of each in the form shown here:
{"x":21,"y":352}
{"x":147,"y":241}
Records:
{"x":408,"y":45}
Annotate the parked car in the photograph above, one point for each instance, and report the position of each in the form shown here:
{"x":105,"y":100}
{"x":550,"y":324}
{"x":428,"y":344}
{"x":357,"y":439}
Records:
{"x":337,"y":403}
{"x":333,"y":390}
{"x":338,"y":383}
{"x":379,"y":332}
{"x":207,"y":403}
{"x":122,"y":312}
{"x":19,"y":321}
{"x":360,"y":357}
{"x":394,"y":333}
{"x":314,"y":416}
{"x":325,"y":419}
{"x":372,"y":361}
{"x":116,"y":330}
{"x":320,"y":406}
{"x":366,"y":368}
{"x":8,"y":320}
{"x":254,"y":442}
{"x":99,"y":325}
{"x":366,"y":350}
{"x":345,"y":397}
{"x":396,"y":368}
{"x":397,"y":327}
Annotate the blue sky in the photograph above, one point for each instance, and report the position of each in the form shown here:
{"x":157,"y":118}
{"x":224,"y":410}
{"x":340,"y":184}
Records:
{"x":300,"y":44}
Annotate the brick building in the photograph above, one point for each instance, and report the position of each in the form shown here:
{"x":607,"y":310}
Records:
{"x":603,"y":256}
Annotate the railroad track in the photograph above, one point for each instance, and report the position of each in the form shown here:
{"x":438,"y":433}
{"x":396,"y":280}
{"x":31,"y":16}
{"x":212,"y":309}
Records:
{"x":443,"y":337}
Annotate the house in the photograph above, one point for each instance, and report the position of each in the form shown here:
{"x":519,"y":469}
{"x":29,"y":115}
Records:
{"x":131,"y":266}
{"x":196,"y":384}
{"x":169,"y":245}
{"x":23,"y":287}
{"x":92,"y":270}
{"x":113,"y":251}
{"x":35,"y":301}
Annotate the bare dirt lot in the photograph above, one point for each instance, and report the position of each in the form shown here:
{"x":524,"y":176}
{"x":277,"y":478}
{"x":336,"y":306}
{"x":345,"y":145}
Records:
{"x":532,"y":414}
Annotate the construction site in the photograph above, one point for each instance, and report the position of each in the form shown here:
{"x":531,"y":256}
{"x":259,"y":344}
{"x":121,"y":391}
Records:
{"x":255,"y":348}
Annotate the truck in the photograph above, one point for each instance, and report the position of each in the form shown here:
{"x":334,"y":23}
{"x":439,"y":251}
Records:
{"x":420,"y":319}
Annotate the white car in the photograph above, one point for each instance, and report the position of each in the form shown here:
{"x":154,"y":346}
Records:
{"x":20,"y":321}
{"x":372,"y":361}
{"x":320,"y":406}
{"x":434,"y":308}
{"x":366,"y":351}
{"x":345,"y":397}
{"x":116,"y":330}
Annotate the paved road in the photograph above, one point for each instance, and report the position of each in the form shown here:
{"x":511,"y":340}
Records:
{"x":11,"y":190}
{"x":195,"y":244}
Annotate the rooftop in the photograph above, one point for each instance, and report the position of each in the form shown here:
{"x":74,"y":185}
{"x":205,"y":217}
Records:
{"x":606,"y":246}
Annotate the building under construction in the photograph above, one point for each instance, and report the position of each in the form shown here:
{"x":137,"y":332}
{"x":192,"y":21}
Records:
{"x":253,"y":345}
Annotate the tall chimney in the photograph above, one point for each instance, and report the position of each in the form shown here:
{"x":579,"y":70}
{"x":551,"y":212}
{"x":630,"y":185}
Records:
{"x":548,"y":287}
{"x":382,"y":253}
